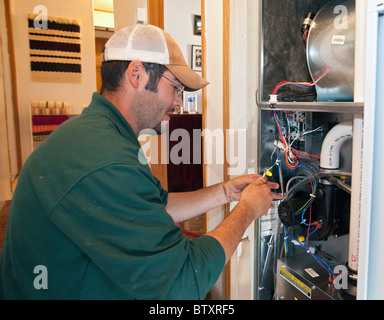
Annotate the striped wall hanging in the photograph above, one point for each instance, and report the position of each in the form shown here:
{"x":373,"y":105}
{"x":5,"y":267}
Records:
{"x":55,"y":50}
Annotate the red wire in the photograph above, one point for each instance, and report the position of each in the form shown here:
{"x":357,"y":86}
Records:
{"x":305,"y":84}
{"x":310,"y":213}
{"x":282,"y":138}
{"x":191,"y":233}
{"x":305,"y":154}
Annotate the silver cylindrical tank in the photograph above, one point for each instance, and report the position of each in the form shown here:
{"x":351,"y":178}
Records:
{"x":331,"y":51}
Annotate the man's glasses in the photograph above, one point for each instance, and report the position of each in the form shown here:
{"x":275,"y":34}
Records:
{"x":178,"y":89}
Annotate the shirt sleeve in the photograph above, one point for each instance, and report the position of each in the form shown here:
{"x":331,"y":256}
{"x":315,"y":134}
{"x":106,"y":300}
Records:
{"x":117,"y":217}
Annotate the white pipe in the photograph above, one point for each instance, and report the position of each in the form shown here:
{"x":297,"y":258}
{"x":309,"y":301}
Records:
{"x":358,"y":125}
{"x":354,"y":226}
{"x":330,"y":150}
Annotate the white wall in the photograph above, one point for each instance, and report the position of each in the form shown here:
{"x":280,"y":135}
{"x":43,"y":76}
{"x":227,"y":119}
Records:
{"x":214,"y":112}
{"x":27,"y":90}
{"x":179,"y":22}
{"x":242,"y":115}
{"x":244,"y":68}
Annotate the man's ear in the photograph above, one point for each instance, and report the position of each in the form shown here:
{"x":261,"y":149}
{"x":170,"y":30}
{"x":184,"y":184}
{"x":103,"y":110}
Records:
{"x":135,"y":73}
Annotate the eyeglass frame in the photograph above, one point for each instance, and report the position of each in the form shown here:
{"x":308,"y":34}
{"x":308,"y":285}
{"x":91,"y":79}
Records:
{"x":180,"y":89}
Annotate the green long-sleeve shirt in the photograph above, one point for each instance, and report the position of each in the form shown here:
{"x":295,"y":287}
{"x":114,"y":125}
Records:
{"x":94,"y":217}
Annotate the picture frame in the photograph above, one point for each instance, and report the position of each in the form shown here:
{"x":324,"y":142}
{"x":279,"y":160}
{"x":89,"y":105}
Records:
{"x":196,"y":58}
{"x":197,"y":25}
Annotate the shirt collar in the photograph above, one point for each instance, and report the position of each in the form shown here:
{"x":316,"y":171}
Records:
{"x":103,"y":106}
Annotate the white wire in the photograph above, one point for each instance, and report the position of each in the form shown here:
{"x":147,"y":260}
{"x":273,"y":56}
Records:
{"x":305,"y":133}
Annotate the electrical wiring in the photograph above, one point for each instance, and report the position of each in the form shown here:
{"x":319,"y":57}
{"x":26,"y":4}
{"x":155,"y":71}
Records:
{"x":301,"y":153}
{"x":300,"y":84}
{"x":319,"y":260}
{"x":280,"y":173}
{"x":268,"y":171}
{"x":303,"y":220}
{"x":290,"y":158}
{"x":316,"y":176}
{"x":291,"y":154}
{"x":307,"y":249}
{"x":286,"y":241}
{"x":314,"y":185}
{"x":305,"y":133}
{"x":292,"y":161}
{"x":286,"y":83}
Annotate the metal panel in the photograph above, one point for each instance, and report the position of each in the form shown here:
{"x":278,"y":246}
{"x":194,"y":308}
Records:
{"x":331,"y":51}
{"x":302,"y":278}
{"x":376,"y":260}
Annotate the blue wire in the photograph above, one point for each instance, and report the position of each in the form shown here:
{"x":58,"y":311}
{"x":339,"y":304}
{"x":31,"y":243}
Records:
{"x":293,"y":84}
{"x":303,"y":221}
{"x":311,"y":233}
{"x":277,"y":118}
{"x":323,"y":263}
{"x":279,"y":168}
{"x":286,"y":238}
{"x":310,"y":174}
{"x":302,"y":218}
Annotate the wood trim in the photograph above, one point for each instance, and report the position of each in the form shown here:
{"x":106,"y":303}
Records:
{"x":204,"y":62}
{"x":226,"y":123}
{"x":204,"y":75}
{"x":155,"y":12}
{"x":204,"y":97}
{"x":15,"y":103}
{"x":226,"y":83}
{"x":101,"y":10}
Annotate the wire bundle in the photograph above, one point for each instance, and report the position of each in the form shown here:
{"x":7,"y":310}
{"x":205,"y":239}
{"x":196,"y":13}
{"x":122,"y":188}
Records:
{"x":300,"y":84}
{"x":291,"y":154}
{"x":321,"y":262}
{"x":292,"y":157}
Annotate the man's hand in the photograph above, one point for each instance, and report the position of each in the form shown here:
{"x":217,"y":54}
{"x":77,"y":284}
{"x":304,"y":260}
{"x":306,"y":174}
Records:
{"x":257,"y":197}
{"x":234,"y":187}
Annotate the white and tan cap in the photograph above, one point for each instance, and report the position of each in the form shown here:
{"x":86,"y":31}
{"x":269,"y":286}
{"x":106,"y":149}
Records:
{"x":151,"y":44}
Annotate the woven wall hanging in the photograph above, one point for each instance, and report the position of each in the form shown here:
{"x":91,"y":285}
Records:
{"x":55,"y":50}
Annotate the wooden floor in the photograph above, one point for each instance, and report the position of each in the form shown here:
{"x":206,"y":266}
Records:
{"x":4,"y":208}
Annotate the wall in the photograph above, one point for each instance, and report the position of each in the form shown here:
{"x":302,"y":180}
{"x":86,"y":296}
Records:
{"x":125,"y":12}
{"x":179,"y":23}
{"x":243,"y":115}
{"x":214,"y":111}
{"x":28,"y":90}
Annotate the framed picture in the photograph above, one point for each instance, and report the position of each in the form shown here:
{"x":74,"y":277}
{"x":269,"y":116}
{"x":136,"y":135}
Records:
{"x":197,"y":25}
{"x":196,"y":58}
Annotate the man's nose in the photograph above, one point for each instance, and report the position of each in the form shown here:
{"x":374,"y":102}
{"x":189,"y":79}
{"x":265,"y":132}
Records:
{"x":178,"y":101}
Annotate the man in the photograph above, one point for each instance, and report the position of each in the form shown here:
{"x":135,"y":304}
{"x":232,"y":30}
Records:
{"x":89,"y":221}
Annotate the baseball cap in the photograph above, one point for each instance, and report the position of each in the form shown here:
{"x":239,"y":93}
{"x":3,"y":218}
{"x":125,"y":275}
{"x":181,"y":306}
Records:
{"x":151,"y":44}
